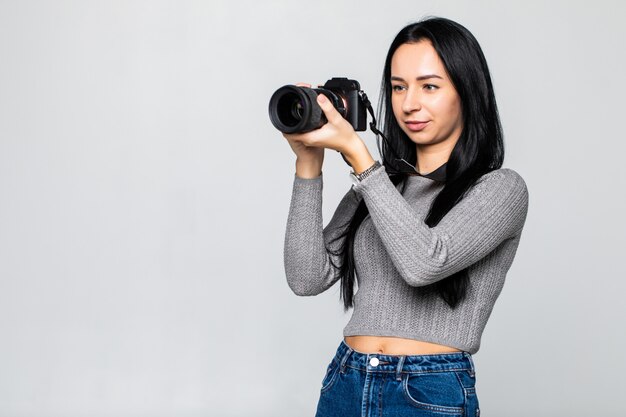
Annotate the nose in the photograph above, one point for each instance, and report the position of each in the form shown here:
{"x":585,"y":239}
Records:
{"x":411,"y":101}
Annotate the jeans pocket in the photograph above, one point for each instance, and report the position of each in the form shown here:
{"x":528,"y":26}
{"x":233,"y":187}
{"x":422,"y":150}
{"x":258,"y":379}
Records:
{"x":439,"y":392}
{"x":331,"y":374}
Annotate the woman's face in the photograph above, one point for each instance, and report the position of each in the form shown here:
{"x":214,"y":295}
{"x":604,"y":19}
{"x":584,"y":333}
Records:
{"x":424,"y":100}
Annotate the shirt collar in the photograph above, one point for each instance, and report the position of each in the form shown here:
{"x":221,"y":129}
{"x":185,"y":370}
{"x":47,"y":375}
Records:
{"x":438,"y":175}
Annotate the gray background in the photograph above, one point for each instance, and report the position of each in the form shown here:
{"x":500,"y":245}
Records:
{"x":144,"y":196}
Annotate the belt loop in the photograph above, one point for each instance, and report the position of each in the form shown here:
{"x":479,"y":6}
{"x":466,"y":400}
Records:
{"x":471,"y":362}
{"x":399,"y":368}
{"x":342,"y":366}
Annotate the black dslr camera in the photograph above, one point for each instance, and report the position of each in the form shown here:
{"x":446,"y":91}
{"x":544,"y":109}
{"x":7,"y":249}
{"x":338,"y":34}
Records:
{"x":294,"y":109}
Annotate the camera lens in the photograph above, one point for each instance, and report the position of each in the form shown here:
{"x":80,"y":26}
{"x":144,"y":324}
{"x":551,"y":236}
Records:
{"x":289,"y":109}
{"x":294,"y":109}
{"x":298,"y":110}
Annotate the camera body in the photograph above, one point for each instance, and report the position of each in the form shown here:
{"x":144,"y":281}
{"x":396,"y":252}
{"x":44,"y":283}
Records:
{"x":294,"y":109}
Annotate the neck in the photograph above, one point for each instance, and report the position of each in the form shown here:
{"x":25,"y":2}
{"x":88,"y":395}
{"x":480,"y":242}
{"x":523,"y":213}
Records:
{"x":432,"y":156}
{"x":427,"y":163}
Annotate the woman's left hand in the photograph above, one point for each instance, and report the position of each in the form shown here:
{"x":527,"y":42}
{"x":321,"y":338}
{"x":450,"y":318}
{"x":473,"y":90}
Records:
{"x":337,"y":134}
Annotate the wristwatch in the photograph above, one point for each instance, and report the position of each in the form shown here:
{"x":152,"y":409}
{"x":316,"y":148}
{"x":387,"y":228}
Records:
{"x":357,"y":178}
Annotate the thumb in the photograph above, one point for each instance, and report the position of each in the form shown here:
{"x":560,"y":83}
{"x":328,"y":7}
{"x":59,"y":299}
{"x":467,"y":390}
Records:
{"x":329,"y":110}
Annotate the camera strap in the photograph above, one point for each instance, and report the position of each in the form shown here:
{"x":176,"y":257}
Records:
{"x":379,"y":134}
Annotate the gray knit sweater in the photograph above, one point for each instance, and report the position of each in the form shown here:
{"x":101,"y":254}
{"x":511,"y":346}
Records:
{"x":397,"y":255}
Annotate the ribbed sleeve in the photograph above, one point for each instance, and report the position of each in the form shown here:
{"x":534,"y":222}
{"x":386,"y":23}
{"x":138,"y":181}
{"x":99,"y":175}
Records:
{"x":492,"y":211}
{"x":307,"y":261}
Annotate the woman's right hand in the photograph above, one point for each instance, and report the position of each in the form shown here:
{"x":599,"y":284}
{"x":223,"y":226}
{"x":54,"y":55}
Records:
{"x":309,"y":159}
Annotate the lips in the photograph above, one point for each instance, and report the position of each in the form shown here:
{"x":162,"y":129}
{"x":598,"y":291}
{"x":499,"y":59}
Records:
{"x":415,"y":125}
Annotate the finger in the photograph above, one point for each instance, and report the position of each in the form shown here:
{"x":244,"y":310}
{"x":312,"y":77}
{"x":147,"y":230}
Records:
{"x":303,"y":85}
{"x":311,"y":138}
{"x":329,"y":110}
{"x":295,"y":137}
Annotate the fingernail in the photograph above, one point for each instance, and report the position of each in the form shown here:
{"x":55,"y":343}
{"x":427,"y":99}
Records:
{"x":322,"y":98}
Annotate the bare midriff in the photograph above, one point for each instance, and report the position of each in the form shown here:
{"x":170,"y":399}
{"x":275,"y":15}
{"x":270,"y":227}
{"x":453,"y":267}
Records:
{"x":387,"y":345}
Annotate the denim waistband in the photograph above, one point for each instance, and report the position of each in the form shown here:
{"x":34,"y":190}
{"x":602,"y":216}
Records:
{"x":375,"y":362}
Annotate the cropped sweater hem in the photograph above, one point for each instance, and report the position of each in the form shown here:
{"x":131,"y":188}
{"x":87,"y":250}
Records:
{"x":414,"y":335}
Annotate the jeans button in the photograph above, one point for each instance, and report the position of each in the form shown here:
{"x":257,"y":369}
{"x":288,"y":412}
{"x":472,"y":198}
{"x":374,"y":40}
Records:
{"x":374,"y":362}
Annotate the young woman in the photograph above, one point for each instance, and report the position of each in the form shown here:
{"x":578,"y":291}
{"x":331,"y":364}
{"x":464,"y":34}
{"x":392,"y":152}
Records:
{"x":430,"y":233}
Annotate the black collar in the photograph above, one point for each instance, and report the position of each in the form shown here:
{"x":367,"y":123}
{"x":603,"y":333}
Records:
{"x":438,"y":175}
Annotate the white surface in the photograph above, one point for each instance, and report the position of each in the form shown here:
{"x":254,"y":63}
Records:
{"x":144,"y":196}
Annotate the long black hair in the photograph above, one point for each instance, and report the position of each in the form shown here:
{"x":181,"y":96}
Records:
{"x":479,"y":149}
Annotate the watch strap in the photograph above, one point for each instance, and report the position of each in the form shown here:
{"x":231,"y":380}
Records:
{"x":360,"y":177}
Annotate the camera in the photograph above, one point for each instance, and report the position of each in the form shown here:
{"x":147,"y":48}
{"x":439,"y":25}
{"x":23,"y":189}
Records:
{"x":294,"y":109}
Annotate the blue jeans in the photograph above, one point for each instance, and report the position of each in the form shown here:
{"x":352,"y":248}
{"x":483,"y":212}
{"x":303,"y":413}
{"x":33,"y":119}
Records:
{"x":373,"y":385}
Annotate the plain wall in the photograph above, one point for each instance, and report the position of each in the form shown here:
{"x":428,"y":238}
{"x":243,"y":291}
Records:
{"x":144,"y":197}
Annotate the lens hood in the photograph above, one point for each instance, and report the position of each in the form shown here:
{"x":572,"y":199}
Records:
{"x":294,"y":109}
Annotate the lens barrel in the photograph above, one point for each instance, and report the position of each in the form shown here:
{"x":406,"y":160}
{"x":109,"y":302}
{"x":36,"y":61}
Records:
{"x":294,"y":109}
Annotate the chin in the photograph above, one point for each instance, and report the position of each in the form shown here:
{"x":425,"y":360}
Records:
{"x":420,"y":138}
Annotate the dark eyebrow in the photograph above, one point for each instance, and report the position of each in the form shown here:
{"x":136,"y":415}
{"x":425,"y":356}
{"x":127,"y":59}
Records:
{"x":420,"y":78}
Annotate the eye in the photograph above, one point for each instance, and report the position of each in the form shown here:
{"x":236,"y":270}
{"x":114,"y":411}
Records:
{"x":397,"y":88}
{"x":430,"y":87}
